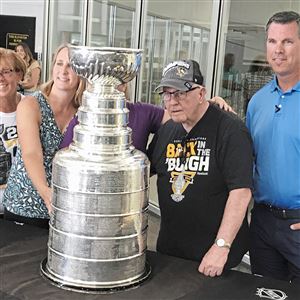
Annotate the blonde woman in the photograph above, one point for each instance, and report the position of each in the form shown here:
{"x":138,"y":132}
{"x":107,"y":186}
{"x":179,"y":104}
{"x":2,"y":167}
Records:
{"x":42,"y":120}
{"x":12,"y":70}
{"x":33,"y":72}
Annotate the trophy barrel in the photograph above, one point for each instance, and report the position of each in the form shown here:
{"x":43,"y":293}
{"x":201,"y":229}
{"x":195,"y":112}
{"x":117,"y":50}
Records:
{"x":98,"y":228}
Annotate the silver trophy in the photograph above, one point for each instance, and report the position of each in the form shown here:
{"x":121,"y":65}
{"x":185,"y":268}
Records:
{"x":98,"y":229}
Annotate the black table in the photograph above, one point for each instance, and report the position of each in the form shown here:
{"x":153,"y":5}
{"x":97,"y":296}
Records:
{"x":22,"y":248}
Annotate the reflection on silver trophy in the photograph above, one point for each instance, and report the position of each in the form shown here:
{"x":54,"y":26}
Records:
{"x":5,"y":162}
{"x":98,"y":229}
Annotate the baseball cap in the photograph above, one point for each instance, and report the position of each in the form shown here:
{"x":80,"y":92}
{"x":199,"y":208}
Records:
{"x":181,"y":75}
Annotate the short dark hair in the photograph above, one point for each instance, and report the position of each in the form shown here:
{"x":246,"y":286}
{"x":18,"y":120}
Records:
{"x":284,"y":17}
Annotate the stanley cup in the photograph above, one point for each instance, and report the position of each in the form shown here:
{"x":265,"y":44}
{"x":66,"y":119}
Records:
{"x":98,"y":228}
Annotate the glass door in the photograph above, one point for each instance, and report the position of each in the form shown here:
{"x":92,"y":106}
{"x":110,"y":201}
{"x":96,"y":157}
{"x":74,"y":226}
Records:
{"x":154,"y":57}
{"x":167,"y":41}
{"x":98,"y":23}
{"x":242,"y":66}
{"x":112,"y":25}
{"x":174,"y":30}
{"x":66,"y":25}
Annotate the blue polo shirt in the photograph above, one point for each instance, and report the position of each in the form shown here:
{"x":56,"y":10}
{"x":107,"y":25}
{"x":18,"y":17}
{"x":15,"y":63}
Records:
{"x":273,"y":119}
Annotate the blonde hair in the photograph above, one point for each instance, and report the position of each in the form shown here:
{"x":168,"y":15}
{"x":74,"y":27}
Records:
{"x":47,"y":86}
{"x":16,"y":62}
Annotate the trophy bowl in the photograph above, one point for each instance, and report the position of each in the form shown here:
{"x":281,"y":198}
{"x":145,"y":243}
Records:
{"x":108,"y":65}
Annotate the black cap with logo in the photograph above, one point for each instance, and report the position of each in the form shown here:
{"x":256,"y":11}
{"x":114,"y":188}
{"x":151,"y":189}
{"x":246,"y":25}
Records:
{"x":181,"y":75}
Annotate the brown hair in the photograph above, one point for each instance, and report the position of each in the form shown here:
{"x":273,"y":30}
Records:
{"x":29,"y":57}
{"x":47,"y":87}
{"x":16,"y":62}
{"x":284,"y":17}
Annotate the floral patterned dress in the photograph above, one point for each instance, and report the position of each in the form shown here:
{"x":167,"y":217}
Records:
{"x":20,"y":196}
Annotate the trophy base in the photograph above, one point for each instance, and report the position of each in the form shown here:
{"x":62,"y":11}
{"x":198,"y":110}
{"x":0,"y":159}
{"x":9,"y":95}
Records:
{"x":99,"y":289}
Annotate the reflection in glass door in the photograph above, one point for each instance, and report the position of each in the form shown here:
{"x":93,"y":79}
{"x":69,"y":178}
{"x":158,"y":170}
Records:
{"x":180,"y":30}
{"x":66,"y":22}
{"x":167,"y":41}
{"x":169,"y":35}
{"x":98,"y":23}
{"x":112,"y":26}
{"x":154,"y":57}
{"x":243,"y":68}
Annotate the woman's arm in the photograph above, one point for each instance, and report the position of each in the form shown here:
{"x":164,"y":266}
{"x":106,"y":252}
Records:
{"x":32,"y":80}
{"x":221,"y":103}
{"x":28,"y":123}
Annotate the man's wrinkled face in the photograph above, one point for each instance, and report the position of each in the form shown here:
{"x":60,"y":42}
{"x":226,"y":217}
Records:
{"x":183,"y":107}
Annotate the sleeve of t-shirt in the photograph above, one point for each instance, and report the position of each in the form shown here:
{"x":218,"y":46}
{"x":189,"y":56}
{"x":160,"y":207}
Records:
{"x":154,"y":115}
{"x":235,"y":157}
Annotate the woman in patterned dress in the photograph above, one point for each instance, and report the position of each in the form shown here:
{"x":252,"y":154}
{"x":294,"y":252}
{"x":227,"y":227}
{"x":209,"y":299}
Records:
{"x":42,"y":120}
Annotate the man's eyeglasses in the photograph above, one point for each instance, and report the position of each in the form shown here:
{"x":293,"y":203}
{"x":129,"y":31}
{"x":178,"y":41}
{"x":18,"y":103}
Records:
{"x":6,"y":72}
{"x":178,"y":95}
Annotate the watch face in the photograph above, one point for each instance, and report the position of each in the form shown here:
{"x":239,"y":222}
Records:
{"x":220,"y":242}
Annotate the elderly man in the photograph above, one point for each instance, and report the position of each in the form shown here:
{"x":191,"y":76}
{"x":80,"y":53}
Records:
{"x":273,"y":119}
{"x":203,"y":159}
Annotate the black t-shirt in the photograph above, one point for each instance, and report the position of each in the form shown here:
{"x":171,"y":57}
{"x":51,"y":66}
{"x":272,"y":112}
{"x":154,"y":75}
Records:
{"x":217,"y":155}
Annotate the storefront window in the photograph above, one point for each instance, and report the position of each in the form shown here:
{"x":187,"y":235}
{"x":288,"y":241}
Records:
{"x":175,"y":30}
{"x":112,"y":24}
{"x":97,"y":23}
{"x":67,"y":21}
{"x":243,"y":68}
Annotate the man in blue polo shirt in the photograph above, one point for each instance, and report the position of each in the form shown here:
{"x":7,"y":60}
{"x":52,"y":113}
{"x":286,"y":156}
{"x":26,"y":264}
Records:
{"x":273,"y":119}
